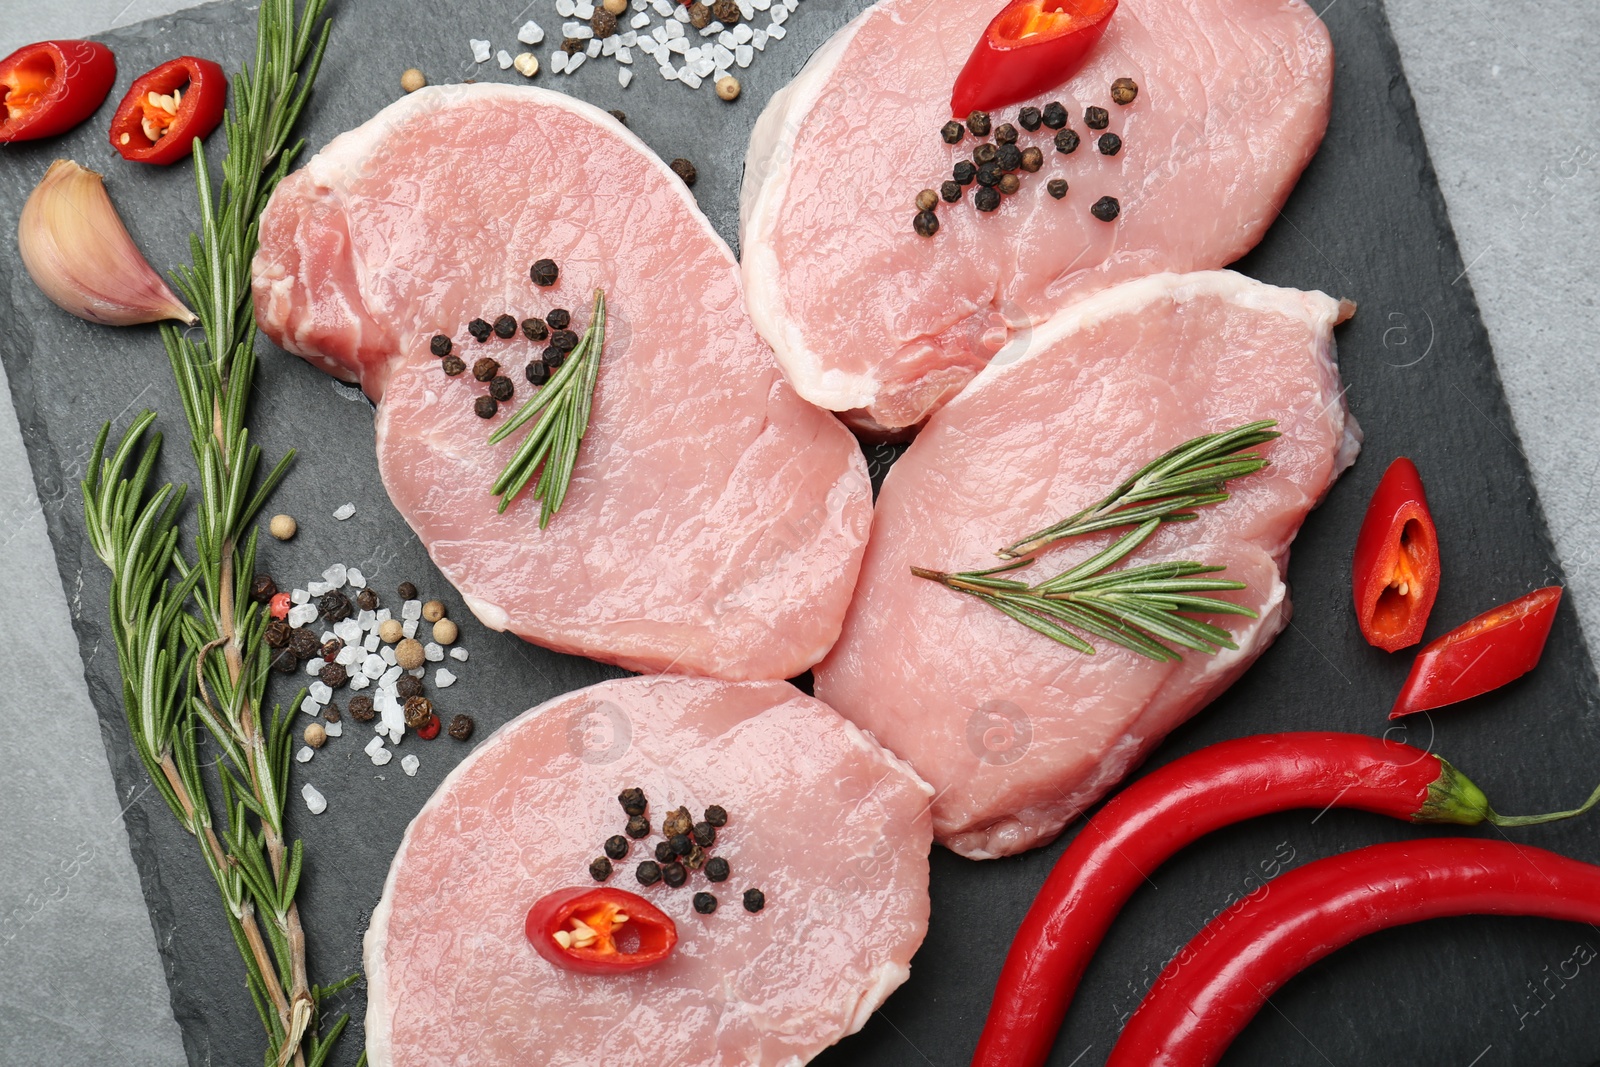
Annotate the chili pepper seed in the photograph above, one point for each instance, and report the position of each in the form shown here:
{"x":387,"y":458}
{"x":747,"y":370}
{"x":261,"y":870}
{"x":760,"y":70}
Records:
{"x":705,"y":903}
{"x":952,"y":132}
{"x":1124,"y":90}
{"x":1030,"y":118}
{"x":754,"y":900}
{"x":1106,"y":208}
{"x":1057,"y":187}
{"x":1109,"y":144}
{"x":1054,"y":115}
{"x":926,"y":224}
{"x":1096,"y":118}
{"x":440,"y":345}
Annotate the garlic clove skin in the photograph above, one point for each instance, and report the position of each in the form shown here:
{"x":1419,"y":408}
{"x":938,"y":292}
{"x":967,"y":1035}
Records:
{"x":82,"y":257}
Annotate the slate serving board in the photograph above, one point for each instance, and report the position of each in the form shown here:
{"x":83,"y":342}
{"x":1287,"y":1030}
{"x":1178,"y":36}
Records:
{"x":1366,"y":222}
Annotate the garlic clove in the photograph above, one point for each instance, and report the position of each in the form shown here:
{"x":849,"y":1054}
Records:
{"x":80,"y":254}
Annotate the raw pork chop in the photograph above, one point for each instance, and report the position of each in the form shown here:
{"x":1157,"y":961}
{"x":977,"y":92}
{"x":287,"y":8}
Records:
{"x":833,"y":829}
{"x":868,"y":317}
{"x":1018,"y":733}
{"x":716,"y":521}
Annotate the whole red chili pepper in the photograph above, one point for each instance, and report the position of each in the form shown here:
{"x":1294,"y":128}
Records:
{"x":600,"y":930}
{"x":1497,"y":647}
{"x":1031,"y":47}
{"x":1396,"y":567}
{"x":49,"y":87}
{"x":1218,"y":982}
{"x":1172,"y":806}
{"x":145,"y":130}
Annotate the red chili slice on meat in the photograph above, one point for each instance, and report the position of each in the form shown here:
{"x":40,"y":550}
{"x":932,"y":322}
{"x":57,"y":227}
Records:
{"x":1032,"y":46}
{"x":1396,"y":568}
{"x":49,"y":87}
{"x":166,"y":109}
{"x":1485,"y":653}
{"x":600,"y":930}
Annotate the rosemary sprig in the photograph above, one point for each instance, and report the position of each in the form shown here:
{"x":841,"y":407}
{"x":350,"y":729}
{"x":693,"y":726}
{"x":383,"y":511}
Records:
{"x":189,"y":638}
{"x":1140,"y":608}
{"x":1168,"y":488}
{"x":562,"y":405}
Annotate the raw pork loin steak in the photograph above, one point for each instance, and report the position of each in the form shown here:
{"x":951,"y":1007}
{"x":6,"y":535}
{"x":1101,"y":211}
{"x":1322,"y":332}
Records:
{"x":1018,"y":733}
{"x":866,"y":316}
{"x":830,"y":826}
{"x":716,"y":521}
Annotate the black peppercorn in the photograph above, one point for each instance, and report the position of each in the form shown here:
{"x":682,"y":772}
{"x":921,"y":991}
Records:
{"x":963,"y":172}
{"x":952,"y":132}
{"x":361,"y":708}
{"x":1032,"y":159}
{"x":563,"y":341}
{"x":505,"y":326}
{"x":717,"y":869}
{"x":705,"y":903}
{"x":603,"y":22}
{"x":726,"y":12}
{"x":633,"y":801}
{"x":680,"y":166}
{"x":1057,"y":187}
{"x":926,"y":224}
{"x":1006,"y":133}
{"x":717,"y":816}
{"x":984,"y":153}
{"x":599,"y":868}
{"x":680,"y":843}
{"x":418,"y":711}
{"x":1096,"y":118}
{"x":1106,"y":208}
{"x":367,"y":600}
{"x":950,"y":191}
{"x":989,"y":174}
{"x":304,"y":643}
{"x":638,"y":827}
{"x":544,"y":272}
{"x":408,"y":686}
{"x":1124,"y":90}
{"x":1009,"y":183}
{"x":535,"y":329}
{"x":334,"y":606}
{"x":674,"y":874}
{"x":664,"y":853}
{"x":648,"y":872}
{"x":699,"y":15}
{"x":501,"y":388}
{"x":284,"y":661}
{"x":574,"y":44}
{"x":678,"y":821}
{"x":485,"y":369}
{"x":407,"y":591}
{"x":263,"y":588}
{"x":1009,"y":157}
{"x":276,"y":634}
{"x":1109,"y":144}
{"x":480,"y":330}
{"x":553,"y":358}
{"x":1067,"y":142}
{"x":559,"y":319}
{"x":331,"y":649}
{"x":537,"y":372}
{"x":1054,"y":115}
{"x":333,"y":675}
{"x":485,"y":407}
{"x":978,"y":123}
{"x":440,"y":345}
{"x":461,"y":727}
{"x":754,"y":900}
{"x":453,"y":365}
{"x":1030,"y":118}
{"x":704,"y":834}
{"x":616,"y":845}
{"x":927,"y":200}
{"x":331,"y":712}
{"x":986,"y":199}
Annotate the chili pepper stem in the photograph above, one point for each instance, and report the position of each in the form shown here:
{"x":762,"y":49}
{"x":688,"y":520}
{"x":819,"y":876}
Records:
{"x":1496,"y":819}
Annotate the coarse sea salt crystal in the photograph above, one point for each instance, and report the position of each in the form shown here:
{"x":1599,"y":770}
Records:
{"x":314,"y":666}
{"x":558,"y":61}
{"x":383,"y":615}
{"x":662,"y":8}
{"x":625,"y":57}
{"x":704,"y":65}
{"x":689,"y":78}
{"x":305,"y":754}
{"x":371,"y":642}
{"x":775,"y":32}
{"x":565,"y":8}
{"x":639,"y":21}
{"x":711,"y":29}
{"x":320,"y":691}
{"x":359,"y":681}
{"x":347,"y":630}
{"x":392,"y":675}
{"x":595,"y":46}
{"x":628,"y":38}
{"x":531,"y":33}
{"x":640,"y":5}
{"x":433,"y":652}
{"x":411,"y":609}
{"x":381,"y":757}
{"x":584,"y":10}
{"x":779,"y":16}
{"x":373,"y":745}
{"x":743,"y":54}
{"x":367,"y":619}
{"x":578,"y":31}
{"x":660,"y":34}
{"x":791,"y":5}
{"x":335,"y":575}
{"x":624,"y":75}
{"x":758,"y":40}
{"x":348,"y":655}
{"x":299,"y":596}
{"x":344,"y":511}
{"x":316,"y":803}
{"x":575,"y":61}
{"x":409,"y":628}
{"x":417,"y":672}
{"x":680,"y":13}
{"x":728,"y":38}
{"x":761,"y":5}
{"x":608,"y":46}
{"x":310,"y":707}
{"x":443,"y":678}
{"x":742,"y":33}
{"x":674,"y":30}
{"x":301,"y":614}
{"x":721,"y":56}
{"x":678,"y":45}
{"x":503,"y":58}
{"x":459,"y":655}
{"x":334,"y":729}
{"x":409,"y":764}
{"x":372,"y":666}
{"x":480,"y":54}
{"x":669,"y":72}
{"x":318,"y":588}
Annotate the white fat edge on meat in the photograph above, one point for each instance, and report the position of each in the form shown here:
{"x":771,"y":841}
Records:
{"x":761,"y":196}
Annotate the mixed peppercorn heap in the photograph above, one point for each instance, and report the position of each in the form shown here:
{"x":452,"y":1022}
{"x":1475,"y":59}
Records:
{"x":685,"y":848}
{"x":996,"y":166}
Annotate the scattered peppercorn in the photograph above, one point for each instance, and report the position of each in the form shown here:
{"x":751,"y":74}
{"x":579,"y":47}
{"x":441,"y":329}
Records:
{"x":407,"y":591}
{"x":574,"y":44}
{"x":926,"y":224}
{"x":603,"y":22}
{"x":984,"y":153}
{"x":638,"y":827}
{"x":1032,"y":159}
{"x":1006,"y":133}
{"x":563,"y":341}
{"x":699,"y":15}
{"x":537,"y":372}
{"x":674,"y":874}
{"x":333,"y":675}
{"x":304,"y":643}
{"x":412,"y":79}
{"x":1124,"y":90}
{"x":284,"y":661}
{"x":535,"y":329}
{"x":331,"y":648}
{"x":986,"y":199}
{"x":717,"y":815}
{"x":453,"y":365}
{"x":680,"y":166}
{"x":1030,"y":118}
{"x":409,"y":654}
{"x":461,"y":727}
{"x":440,"y":345}
{"x":1009,"y":157}
{"x":1096,"y":118}
{"x":600,"y":867}
{"x":429,"y":728}
{"x":952,"y":132}
{"x":553,"y":358}
{"x":648,"y":872}
{"x":391,"y":631}
{"x":617,"y":114}
{"x":367,"y":600}
{"x":978,"y":123}
{"x":677,"y":821}
{"x":963,"y":172}
{"x":727,"y":87}
{"x":279,"y":606}
{"x":1109,"y":144}
{"x":282,"y":527}
{"x":331,"y":712}
{"x":950,"y":191}
{"x":485,"y":368}
{"x":726,"y":12}
{"x":501,"y":388}
{"x":704,"y":834}
{"x":408,"y":686}
{"x":696,"y":857}
{"x":754,"y":900}
{"x":485,"y":407}
{"x":1054,"y":115}
{"x":680,"y":844}
{"x":1009,"y":184}
{"x":705,"y":903}
{"x":927,"y":200}
{"x":989,"y":174}
{"x":559,"y":319}
{"x":544,"y":272}
{"x":263,"y":588}
{"x":1067,"y":142}
{"x":417,"y":711}
{"x":616,"y":846}
{"x":505,"y":327}
{"x":480,"y":330}
{"x":1057,"y":187}
{"x":276,"y":635}
{"x":717,"y":869}
{"x":334,"y":606}
{"x":316,"y":735}
{"x":361,"y":708}
{"x":1106,"y":208}
{"x":664,"y":853}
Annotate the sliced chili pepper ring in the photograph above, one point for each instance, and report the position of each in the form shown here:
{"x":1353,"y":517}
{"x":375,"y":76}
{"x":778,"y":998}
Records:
{"x":1396,"y":568}
{"x":166,"y":109}
{"x":1480,"y":655}
{"x":600,"y":930}
{"x":1030,"y":47}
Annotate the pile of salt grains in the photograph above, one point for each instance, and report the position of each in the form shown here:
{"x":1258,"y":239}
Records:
{"x":671,"y":44}
{"x":369,"y":663}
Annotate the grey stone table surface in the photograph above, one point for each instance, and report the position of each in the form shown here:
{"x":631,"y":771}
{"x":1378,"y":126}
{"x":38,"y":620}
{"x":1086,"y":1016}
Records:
{"x":1508,"y":99}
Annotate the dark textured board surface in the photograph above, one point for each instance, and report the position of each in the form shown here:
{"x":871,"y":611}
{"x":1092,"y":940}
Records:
{"x":1367,"y":222}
